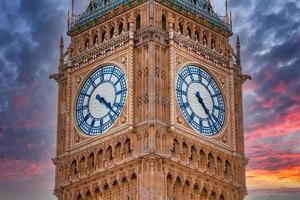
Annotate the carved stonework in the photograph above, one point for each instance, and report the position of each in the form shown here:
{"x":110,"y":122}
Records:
{"x":151,"y":151}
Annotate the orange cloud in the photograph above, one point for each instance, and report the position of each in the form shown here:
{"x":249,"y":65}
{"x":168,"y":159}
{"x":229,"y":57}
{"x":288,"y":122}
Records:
{"x":283,"y":178}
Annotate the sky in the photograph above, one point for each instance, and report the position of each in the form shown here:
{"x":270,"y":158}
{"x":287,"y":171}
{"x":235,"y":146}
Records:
{"x":270,"y":40}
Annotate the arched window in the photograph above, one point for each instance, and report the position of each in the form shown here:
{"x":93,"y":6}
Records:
{"x":128,"y":146}
{"x":197,"y":36}
{"x":103,"y":36}
{"x":189,"y":32}
{"x":138,"y":22}
{"x":91,"y":161}
{"x":109,"y":153}
{"x":193,"y":154}
{"x":202,"y":158}
{"x":95,"y":40}
{"x":222,"y":197}
{"x":164,"y":22}
{"x":82,"y":165}
{"x":213,"y":196}
{"x":211,"y":161}
{"x":121,"y":27}
{"x":87,"y":44}
{"x":100,"y":158}
{"x":88,"y":195}
{"x":175,"y":149}
{"x":228,"y":169}
{"x":128,"y":26}
{"x":205,"y":42}
{"x":74,"y":168}
{"x":79,"y":197}
{"x":112,"y":32}
{"x":118,"y":151}
{"x":185,"y":150}
{"x":213,"y":44}
{"x":180,"y":27}
{"x":204,"y":194}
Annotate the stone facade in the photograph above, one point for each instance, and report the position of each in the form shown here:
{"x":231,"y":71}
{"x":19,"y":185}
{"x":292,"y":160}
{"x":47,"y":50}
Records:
{"x":151,"y":152}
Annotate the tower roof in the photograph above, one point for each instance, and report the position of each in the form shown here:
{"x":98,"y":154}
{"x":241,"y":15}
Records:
{"x":99,"y":9}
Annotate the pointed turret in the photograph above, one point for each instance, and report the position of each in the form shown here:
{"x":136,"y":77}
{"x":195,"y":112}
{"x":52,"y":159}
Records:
{"x":226,"y":10}
{"x":61,"y":53}
{"x":230,"y":19}
{"x":238,"y":51}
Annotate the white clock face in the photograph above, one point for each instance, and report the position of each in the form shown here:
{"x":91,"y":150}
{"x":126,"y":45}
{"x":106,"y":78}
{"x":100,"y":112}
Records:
{"x":101,"y":100}
{"x":200,"y":100}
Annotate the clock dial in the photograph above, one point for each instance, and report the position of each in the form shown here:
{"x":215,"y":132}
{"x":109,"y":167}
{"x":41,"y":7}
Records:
{"x":200,"y":100}
{"x":101,"y":100}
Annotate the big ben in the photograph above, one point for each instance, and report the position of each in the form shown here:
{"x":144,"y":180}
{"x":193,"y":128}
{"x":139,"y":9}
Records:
{"x":150,"y":104}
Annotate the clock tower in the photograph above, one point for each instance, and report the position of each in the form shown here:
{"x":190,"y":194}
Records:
{"x":150,"y":104}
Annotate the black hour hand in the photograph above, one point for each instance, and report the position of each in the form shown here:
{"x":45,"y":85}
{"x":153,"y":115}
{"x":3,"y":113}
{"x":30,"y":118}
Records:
{"x":104,"y":102}
{"x":200,"y":100}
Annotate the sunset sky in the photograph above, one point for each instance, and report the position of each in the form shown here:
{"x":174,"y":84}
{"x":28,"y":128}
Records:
{"x":270,"y":40}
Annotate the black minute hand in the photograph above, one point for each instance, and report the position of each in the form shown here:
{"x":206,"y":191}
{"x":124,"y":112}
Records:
{"x":200,"y":100}
{"x":104,"y":102}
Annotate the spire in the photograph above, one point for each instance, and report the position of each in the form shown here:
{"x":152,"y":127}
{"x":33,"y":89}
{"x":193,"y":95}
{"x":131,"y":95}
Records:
{"x":73,"y":7}
{"x":226,"y":7}
{"x":61,"y":52}
{"x":230,"y":20}
{"x":68,"y":19}
{"x":238,"y":51}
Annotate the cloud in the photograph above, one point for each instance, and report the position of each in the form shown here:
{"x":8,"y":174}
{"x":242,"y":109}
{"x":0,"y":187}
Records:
{"x":29,"y":38}
{"x":270,"y":33}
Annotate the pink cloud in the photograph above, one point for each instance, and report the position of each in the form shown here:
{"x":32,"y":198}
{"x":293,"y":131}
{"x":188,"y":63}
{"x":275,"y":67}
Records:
{"x":280,"y":88}
{"x":250,"y":86}
{"x":22,"y":170}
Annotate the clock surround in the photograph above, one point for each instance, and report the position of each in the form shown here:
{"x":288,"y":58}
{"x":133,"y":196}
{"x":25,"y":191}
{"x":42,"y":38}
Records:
{"x":200,"y":100}
{"x":101,"y":100}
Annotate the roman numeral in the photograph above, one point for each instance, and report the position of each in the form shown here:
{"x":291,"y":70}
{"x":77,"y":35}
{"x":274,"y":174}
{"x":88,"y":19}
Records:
{"x":200,"y":78}
{"x":112,"y":73}
{"x":91,"y":126}
{"x":101,"y":77}
{"x":192,"y":117}
{"x":216,"y":95}
{"x":212,"y":124}
{"x":84,"y":94}
{"x":181,"y":92}
{"x":118,"y":105}
{"x":190,"y":73}
{"x":209,"y":81}
{"x":183,"y":79}
{"x":121,"y":91}
{"x":82,"y":108}
{"x":218,"y":108}
{"x":93,"y":123}
{"x":93,"y":83}
{"x":216,"y":119}
{"x":185,"y":105}
{"x":86,"y":117}
{"x":112,"y":118}
{"x":118,"y":80}
{"x":101,"y":125}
